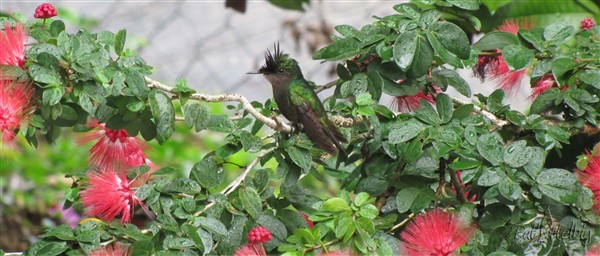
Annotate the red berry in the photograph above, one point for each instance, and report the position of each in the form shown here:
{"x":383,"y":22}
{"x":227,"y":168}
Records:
{"x":259,"y":235}
{"x":44,"y":11}
{"x":587,"y":23}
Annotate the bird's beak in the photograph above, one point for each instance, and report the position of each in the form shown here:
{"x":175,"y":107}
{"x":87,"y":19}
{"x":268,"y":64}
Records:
{"x":254,"y":73}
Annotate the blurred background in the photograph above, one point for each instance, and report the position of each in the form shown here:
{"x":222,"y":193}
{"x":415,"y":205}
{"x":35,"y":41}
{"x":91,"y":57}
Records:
{"x":212,"y":47}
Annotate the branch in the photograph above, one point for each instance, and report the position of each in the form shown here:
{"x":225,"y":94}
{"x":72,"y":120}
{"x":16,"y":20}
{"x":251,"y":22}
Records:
{"x":325,"y":86}
{"x":275,"y":123}
{"x":408,"y":218}
{"x":457,"y":186}
{"x":499,"y":123}
{"x":236,"y":183}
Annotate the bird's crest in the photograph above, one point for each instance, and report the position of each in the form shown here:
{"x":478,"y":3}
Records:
{"x":272,"y":61}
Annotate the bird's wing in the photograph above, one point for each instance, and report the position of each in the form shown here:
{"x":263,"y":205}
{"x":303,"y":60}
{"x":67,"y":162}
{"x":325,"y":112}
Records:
{"x":314,"y":119}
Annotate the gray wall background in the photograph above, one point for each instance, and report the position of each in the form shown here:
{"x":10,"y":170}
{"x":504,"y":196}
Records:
{"x":213,"y":47}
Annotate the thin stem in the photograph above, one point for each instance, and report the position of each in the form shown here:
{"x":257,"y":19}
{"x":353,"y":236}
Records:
{"x":325,"y":86}
{"x":498,"y":123}
{"x":457,"y":186}
{"x":399,"y":225}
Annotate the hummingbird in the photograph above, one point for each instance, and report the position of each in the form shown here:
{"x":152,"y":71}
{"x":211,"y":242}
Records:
{"x":299,"y":103}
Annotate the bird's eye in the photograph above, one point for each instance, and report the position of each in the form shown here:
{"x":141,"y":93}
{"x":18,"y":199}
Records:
{"x":280,"y":70}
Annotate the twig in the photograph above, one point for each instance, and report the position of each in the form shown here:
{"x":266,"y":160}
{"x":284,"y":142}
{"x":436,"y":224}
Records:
{"x":457,"y":186}
{"x":397,"y":226}
{"x":325,"y":86}
{"x":498,"y":123}
{"x":236,"y":183}
{"x":276,"y":124}
{"x":322,"y":245}
{"x":233,"y":185}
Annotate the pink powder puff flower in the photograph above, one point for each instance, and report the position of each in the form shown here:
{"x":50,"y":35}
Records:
{"x":256,"y":238}
{"x":435,"y":233}
{"x":590,"y":177}
{"x":587,"y":23}
{"x":109,"y":194}
{"x":12,"y":45}
{"x":15,"y":105}
{"x":495,"y":67}
{"x":594,"y":250}
{"x":114,"y":250}
{"x":541,"y":85}
{"x":408,"y":103}
{"x":114,"y":149}
{"x":45,"y":11}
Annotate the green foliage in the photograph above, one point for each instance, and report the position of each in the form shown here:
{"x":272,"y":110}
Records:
{"x":489,"y":163}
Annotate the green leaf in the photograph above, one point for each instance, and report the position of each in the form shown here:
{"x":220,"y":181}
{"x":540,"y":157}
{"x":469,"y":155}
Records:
{"x":163,"y":113}
{"x":405,"y":49}
{"x":62,"y":232}
{"x":335,"y":205}
{"x":517,"y":154}
{"x":250,"y":201}
{"x":558,"y":184}
{"x":276,"y":227}
{"x":517,"y":56}
{"x":208,"y":173}
{"x":423,"y":57}
{"x":490,"y":147}
{"x":427,"y":113}
{"x":339,"y":50}
{"x":358,"y":84}
{"x":41,"y":35}
{"x":510,"y":189}
{"x":536,"y":162}
{"x":44,"y":75}
{"x":45,"y":248}
{"x":495,"y":40}
{"x":489,"y":177}
{"x":179,"y":185}
{"x":194,"y":234}
{"x":561,"y":66}
{"x":465,"y":4}
{"x":362,"y":199}
{"x":364,"y":99}
{"x":408,"y":10}
{"x":452,"y":38}
{"x":196,"y":115}
{"x":444,"y":54}
{"x":143,"y":247}
{"x":56,"y":27}
{"x":516,"y":118}
{"x":558,"y":32}
{"x":301,"y":157}
{"x":136,"y":83}
{"x":404,"y":131}
{"x":452,"y":78}
{"x":544,"y":101}
{"x":52,"y":96}
{"x":368,"y":211}
{"x":220,"y":123}
{"x":591,"y":77}
{"x":444,"y":107}
{"x":250,"y":142}
{"x":213,"y":226}
{"x":464,"y":165}
{"x":120,"y":41}
{"x":495,"y":215}
{"x":405,"y":198}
